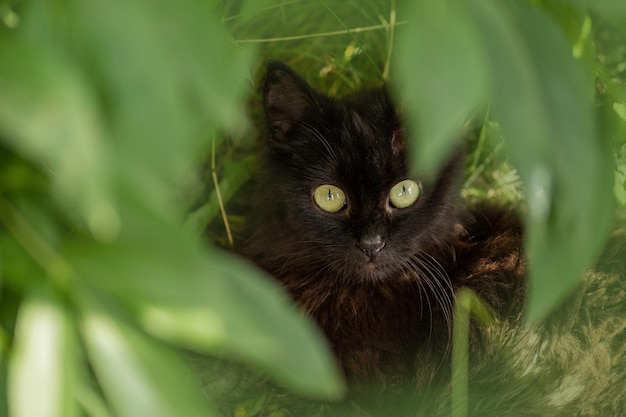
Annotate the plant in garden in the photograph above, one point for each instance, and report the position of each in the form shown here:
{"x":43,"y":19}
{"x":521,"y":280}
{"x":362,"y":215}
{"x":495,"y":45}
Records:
{"x":107,"y":108}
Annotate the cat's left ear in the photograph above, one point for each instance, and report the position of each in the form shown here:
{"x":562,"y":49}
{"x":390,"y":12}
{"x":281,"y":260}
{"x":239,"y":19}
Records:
{"x":287,"y":98}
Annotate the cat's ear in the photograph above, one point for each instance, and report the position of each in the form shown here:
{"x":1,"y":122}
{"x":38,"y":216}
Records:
{"x":287,"y":98}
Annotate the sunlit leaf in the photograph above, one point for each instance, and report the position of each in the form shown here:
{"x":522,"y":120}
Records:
{"x":620,"y":110}
{"x":42,"y":367}
{"x":442,"y":76}
{"x":4,"y":411}
{"x":139,"y":376}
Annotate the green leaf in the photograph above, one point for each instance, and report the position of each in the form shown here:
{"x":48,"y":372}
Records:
{"x":208,"y":301}
{"x":442,"y":75}
{"x":91,"y":401}
{"x":468,"y":304}
{"x":48,"y":113}
{"x":173,"y":75}
{"x":4,"y":410}
{"x":43,"y":365}
{"x":619,"y":187}
{"x":467,"y":52}
{"x":139,"y":376}
{"x":620,"y":110}
{"x":543,"y":99}
{"x":256,"y":324}
{"x":612,"y":10}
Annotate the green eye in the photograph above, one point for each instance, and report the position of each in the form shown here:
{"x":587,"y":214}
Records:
{"x":329,"y":198}
{"x":404,"y":193}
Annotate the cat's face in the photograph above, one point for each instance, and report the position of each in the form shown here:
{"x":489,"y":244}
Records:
{"x":340,"y":183}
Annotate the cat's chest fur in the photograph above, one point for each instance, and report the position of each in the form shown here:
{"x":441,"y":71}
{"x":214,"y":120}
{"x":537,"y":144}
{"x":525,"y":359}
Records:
{"x":374,"y":330}
{"x":373,"y":254}
{"x":382,"y":332}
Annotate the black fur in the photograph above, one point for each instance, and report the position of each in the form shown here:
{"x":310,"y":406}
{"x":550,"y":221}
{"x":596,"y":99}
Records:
{"x":377,"y":314}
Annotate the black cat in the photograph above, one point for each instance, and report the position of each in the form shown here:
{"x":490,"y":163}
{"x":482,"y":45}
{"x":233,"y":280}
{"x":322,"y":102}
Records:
{"x":375,"y":255}
{"x":371,"y":252}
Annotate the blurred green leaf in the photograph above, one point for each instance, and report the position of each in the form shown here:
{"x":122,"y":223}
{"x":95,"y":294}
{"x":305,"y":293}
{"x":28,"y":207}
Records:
{"x":173,"y":76}
{"x":16,"y":266}
{"x":543,"y":99}
{"x":16,"y":175}
{"x":48,"y":114}
{"x":613,"y":11}
{"x":442,"y":76}
{"x":166,"y":75}
{"x":44,"y":360}
{"x":208,"y":301}
{"x":252,"y":407}
{"x":619,"y":186}
{"x":138,"y":375}
{"x":620,"y":110}
{"x":8,"y":16}
{"x":91,"y":402}
{"x":4,"y":343}
{"x":513,"y":54}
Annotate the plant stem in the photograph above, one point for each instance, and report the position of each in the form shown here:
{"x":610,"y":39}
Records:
{"x":392,"y":26}
{"x":218,"y":193}
{"x":460,"y":344}
{"x":321,"y":34}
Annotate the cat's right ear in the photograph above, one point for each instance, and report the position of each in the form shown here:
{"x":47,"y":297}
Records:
{"x":287,"y":98}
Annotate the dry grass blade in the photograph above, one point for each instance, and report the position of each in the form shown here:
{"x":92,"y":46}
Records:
{"x":220,"y":202}
{"x":322,"y":34}
{"x":392,"y":25}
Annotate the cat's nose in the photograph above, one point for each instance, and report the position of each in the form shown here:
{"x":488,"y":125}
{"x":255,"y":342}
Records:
{"x":371,"y":245}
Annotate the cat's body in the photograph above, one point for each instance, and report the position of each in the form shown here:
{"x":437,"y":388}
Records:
{"x":379,"y":275}
{"x":384,"y":311}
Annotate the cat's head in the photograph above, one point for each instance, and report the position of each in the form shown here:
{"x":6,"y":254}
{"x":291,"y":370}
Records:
{"x":340,"y":184}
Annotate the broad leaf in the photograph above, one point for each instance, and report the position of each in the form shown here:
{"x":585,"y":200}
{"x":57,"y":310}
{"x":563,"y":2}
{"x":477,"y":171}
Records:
{"x":172,"y":76}
{"x":613,"y":11}
{"x":208,"y":301}
{"x":139,"y":376}
{"x":442,"y":76}
{"x":43,"y":364}
{"x":543,"y":99}
{"x":4,"y":406}
{"x":48,"y":113}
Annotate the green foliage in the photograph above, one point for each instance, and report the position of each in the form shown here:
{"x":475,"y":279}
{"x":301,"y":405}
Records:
{"x":517,"y":59}
{"x":108,"y":108}
{"x":468,"y":304}
{"x":105,"y":111}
